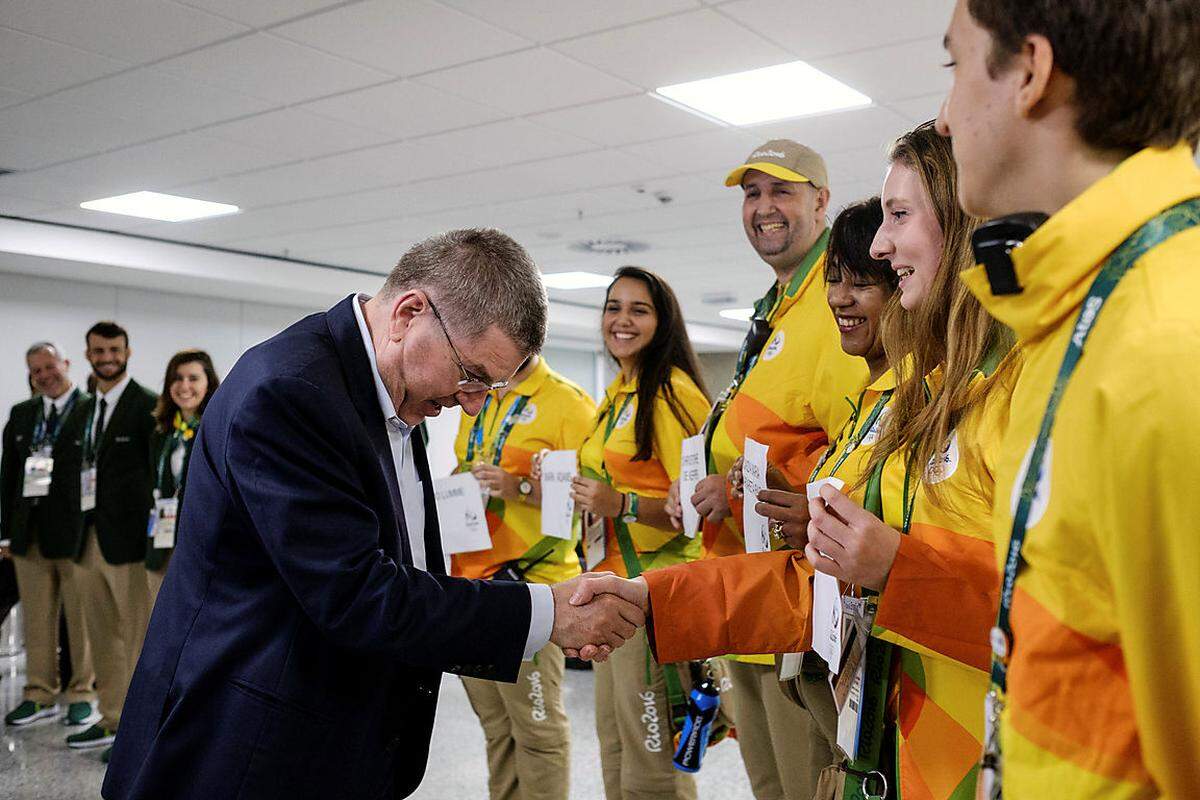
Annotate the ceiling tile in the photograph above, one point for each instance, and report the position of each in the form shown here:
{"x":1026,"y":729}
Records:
{"x":719,"y":150}
{"x":529,"y":81}
{"x":296,"y":133}
{"x":403,"y":109}
{"x":624,"y":121}
{"x":406,"y":38}
{"x":66,"y":131}
{"x":550,"y":20}
{"x":492,"y":145}
{"x":261,"y":13}
{"x":919,"y":109}
{"x":37,"y":66}
{"x":875,"y":126}
{"x":685,"y":47}
{"x":131,"y":30}
{"x":161,"y":102}
{"x":815,"y":29}
{"x":878,"y":73}
{"x":22,"y":206}
{"x":8,"y":97}
{"x":271,"y":68}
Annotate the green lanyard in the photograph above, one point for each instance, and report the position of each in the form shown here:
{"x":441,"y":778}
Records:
{"x":164,"y":457}
{"x":610,"y":423}
{"x":42,"y":435}
{"x":855,"y":437}
{"x":475,"y":439}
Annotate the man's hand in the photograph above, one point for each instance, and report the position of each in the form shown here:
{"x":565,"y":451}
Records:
{"x":597,"y":625}
{"x":496,"y":481}
{"x":710,"y":499}
{"x":596,"y":496}
{"x":604,"y":584}
{"x":849,"y":542}
{"x":672,"y":507}
{"x":789,"y":508}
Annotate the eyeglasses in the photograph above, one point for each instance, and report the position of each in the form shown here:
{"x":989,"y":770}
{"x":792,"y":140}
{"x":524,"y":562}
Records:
{"x":471,"y":384}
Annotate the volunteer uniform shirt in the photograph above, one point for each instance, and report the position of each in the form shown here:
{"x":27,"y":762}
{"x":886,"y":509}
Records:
{"x":941,"y":597}
{"x":656,"y":547}
{"x":792,"y":395}
{"x":1104,"y":675}
{"x":849,"y":454}
{"x":557,"y":414}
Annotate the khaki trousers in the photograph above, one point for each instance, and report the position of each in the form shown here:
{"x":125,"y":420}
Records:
{"x":154,"y":582}
{"x":527,"y":731}
{"x":46,"y":585}
{"x":117,"y":604}
{"x":782,"y":746}
{"x":633,"y":721}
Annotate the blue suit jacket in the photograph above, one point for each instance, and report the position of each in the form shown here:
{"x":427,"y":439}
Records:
{"x":293,"y":652}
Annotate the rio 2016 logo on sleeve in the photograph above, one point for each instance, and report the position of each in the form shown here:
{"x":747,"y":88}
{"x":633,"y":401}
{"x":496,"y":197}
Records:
{"x":944,"y":462}
{"x":774,"y":347}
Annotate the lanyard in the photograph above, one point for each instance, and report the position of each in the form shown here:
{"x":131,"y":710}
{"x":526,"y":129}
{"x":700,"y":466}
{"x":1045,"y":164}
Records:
{"x":611,"y":423}
{"x":1175,"y":219}
{"x":41,"y":434}
{"x":855,"y":437}
{"x":475,"y":439}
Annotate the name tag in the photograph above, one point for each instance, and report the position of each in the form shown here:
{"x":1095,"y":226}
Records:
{"x":121,"y":439}
{"x":87,"y":489}
{"x":38,"y":472}
{"x":162,"y":522}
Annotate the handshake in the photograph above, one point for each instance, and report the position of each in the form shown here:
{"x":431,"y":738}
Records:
{"x":597,"y":612}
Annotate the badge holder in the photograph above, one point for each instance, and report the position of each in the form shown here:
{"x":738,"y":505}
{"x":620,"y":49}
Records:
{"x":39,"y":471}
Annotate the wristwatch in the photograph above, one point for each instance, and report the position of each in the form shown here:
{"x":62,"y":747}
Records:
{"x":631,"y":508}
{"x":525,"y":488}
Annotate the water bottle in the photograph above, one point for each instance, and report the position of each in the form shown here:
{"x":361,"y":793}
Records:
{"x":703,"y":704}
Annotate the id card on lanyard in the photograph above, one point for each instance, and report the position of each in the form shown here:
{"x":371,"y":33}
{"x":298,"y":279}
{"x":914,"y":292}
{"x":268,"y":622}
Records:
{"x":161,"y":529}
{"x":39,"y":466}
{"x":87,"y":476}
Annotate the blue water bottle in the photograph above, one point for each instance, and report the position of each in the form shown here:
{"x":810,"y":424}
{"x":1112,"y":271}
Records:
{"x":703,"y":704}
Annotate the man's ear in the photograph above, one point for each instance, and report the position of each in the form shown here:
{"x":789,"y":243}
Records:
{"x":822,"y":202}
{"x":1037,"y":75}
{"x":402,"y":310}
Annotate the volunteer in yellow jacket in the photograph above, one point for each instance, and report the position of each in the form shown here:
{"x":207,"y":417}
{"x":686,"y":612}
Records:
{"x":626,"y":465}
{"x":921,"y":544}
{"x":788,"y":392}
{"x":525,"y":723}
{"x":1089,"y":113}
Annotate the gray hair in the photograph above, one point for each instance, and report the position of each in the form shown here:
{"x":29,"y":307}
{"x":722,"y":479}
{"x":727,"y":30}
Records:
{"x":49,"y":347}
{"x":478,"y":277}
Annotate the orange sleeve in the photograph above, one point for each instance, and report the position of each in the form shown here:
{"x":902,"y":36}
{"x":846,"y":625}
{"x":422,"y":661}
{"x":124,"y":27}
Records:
{"x":934,"y":562}
{"x":745,"y":604}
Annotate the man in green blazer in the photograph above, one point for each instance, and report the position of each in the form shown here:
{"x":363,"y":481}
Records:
{"x":40,"y":514}
{"x":110,"y":571}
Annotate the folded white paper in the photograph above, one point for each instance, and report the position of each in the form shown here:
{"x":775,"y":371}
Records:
{"x":460,"y":514}
{"x":692,"y":469}
{"x":754,"y":480}
{"x":558,"y":509}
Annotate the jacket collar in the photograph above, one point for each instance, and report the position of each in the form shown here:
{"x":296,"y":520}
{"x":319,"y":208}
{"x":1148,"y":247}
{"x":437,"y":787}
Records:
{"x":1056,"y":265}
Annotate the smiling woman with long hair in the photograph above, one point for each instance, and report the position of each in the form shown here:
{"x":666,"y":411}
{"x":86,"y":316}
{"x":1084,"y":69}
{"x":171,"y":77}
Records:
{"x":626,"y":465}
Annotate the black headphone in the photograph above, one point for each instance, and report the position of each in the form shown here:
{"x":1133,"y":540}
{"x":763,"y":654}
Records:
{"x":993,"y":243}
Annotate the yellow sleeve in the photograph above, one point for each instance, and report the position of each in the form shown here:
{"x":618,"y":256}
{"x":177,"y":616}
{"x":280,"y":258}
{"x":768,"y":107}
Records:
{"x":1148,"y":509}
{"x":669,"y":431}
{"x":578,"y":421}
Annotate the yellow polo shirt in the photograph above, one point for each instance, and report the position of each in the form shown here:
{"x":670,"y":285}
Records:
{"x":558,"y":414}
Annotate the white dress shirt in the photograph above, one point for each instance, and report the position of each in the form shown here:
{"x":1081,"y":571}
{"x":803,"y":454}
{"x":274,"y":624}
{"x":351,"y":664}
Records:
{"x":58,"y":402}
{"x":541,"y":622}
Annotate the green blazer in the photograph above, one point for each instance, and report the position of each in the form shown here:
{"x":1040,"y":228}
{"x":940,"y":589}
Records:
{"x":55,"y":521}
{"x":124,"y":476}
{"x":157,"y":557}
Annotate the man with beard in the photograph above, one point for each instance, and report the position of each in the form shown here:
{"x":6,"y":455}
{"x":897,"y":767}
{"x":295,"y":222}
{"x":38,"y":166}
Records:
{"x":116,"y":493}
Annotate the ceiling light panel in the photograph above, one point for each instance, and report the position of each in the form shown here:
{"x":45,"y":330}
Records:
{"x":576,"y":280}
{"x":162,"y":207}
{"x":783,"y":91}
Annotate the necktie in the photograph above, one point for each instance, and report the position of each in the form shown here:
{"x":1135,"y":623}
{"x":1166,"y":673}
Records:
{"x":52,"y":422}
{"x":100,"y":424}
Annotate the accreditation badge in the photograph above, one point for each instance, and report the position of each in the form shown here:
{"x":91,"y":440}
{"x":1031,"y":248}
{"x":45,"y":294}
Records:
{"x":38,"y":471}
{"x":593,"y":539}
{"x":162,"y":522}
{"x":87,"y":489}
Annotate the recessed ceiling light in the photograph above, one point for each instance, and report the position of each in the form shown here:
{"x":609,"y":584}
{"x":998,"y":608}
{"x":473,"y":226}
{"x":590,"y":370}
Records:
{"x":576,"y":280}
{"x":740,"y":314}
{"x":761,"y":95}
{"x":608,"y":246}
{"x":163,"y":207}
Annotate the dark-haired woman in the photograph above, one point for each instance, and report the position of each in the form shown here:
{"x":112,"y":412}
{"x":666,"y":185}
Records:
{"x":626,"y":467}
{"x":189,"y":382}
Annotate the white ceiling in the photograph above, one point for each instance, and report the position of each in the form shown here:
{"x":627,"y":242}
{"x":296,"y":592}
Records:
{"x":348,"y":130}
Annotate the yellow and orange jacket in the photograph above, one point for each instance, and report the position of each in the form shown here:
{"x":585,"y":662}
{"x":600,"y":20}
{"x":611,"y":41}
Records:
{"x":793,"y":395}
{"x":613,"y":460}
{"x":557,"y":415}
{"x":1104,"y":679}
{"x":937,"y":606}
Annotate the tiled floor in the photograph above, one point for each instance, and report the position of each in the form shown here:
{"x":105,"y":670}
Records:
{"x":36,"y":765}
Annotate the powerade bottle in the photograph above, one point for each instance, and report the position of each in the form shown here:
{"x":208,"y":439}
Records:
{"x":703,"y":703}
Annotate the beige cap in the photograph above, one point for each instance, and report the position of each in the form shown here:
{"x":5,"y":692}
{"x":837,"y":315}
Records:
{"x":786,"y":160}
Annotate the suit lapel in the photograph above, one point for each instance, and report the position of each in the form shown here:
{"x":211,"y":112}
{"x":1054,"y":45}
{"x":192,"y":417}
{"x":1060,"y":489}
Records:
{"x":356,"y":371}
{"x":116,"y":417}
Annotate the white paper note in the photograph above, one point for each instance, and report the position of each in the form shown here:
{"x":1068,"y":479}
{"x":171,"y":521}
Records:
{"x":558,"y":469}
{"x":460,"y":514}
{"x":827,"y":601}
{"x":692,"y":469}
{"x":754,"y":480}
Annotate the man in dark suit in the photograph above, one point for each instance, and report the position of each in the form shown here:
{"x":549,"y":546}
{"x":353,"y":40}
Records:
{"x":109,"y":570}
{"x":39,"y":513}
{"x":297,"y":643}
